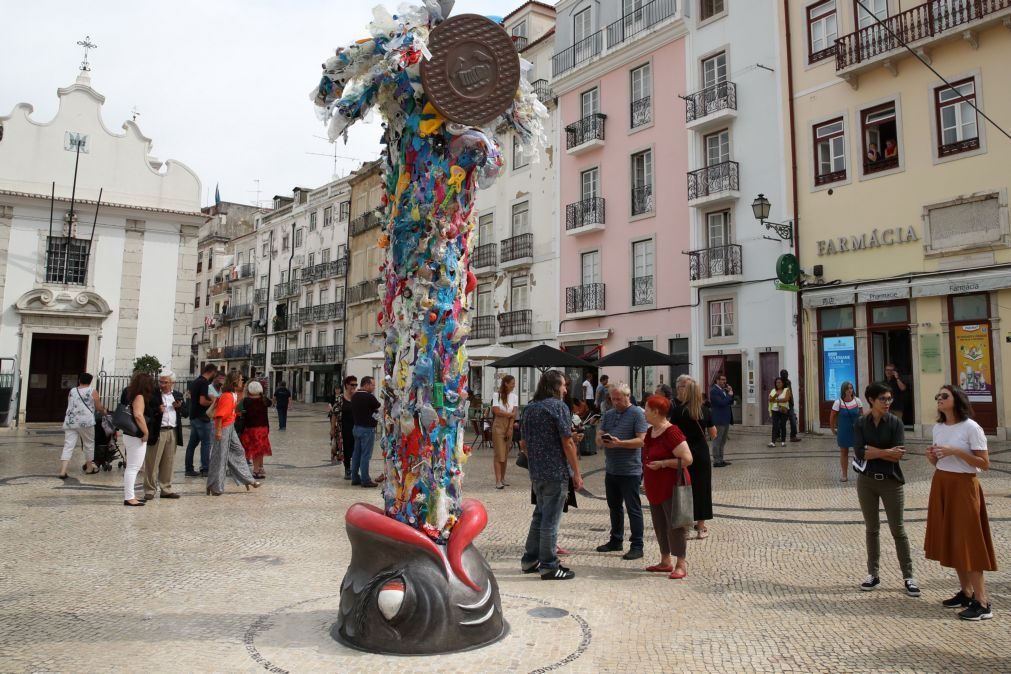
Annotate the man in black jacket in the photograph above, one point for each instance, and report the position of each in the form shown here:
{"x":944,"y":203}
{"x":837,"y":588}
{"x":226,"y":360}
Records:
{"x":165,"y":433}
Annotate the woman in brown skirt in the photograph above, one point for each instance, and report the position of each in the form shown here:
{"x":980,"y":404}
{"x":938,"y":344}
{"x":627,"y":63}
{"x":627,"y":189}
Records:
{"x":505,"y":411}
{"x":958,"y":533}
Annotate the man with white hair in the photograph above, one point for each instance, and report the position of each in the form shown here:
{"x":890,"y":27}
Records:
{"x":165,"y":433}
{"x":622,"y":432}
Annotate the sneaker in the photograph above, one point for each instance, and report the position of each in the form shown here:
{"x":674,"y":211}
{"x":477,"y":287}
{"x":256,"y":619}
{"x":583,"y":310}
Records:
{"x":534,"y":568}
{"x":347,"y":475}
{"x":782,"y":444}
{"x":870,"y":583}
{"x":499,"y":485}
{"x":192,"y":473}
{"x":912,"y":589}
{"x":609,"y":547}
{"x":561,"y":573}
{"x":976,"y":611}
{"x":634,"y":553}
{"x":795,"y":439}
{"x":960,"y":600}
{"x":772,"y":444}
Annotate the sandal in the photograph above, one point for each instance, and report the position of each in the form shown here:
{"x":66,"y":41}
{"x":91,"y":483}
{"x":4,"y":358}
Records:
{"x":660,"y":568}
{"x":703,"y":533}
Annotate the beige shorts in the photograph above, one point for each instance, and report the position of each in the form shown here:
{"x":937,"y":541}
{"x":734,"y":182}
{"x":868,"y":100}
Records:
{"x":502,"y":437}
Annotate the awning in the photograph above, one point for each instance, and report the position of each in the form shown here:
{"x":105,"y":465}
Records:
{"x":375,"y":355}
{"x":585,"y":336}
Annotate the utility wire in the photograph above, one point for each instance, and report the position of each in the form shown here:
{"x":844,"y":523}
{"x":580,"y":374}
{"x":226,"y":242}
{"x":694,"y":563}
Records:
{"x":931,"y":68}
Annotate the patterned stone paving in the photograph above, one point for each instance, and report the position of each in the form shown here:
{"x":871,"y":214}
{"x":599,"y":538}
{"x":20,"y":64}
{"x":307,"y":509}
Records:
{"x":249,"y":582}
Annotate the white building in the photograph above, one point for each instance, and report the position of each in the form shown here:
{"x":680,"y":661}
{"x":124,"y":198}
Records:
{"x":515,"y":253}
{"x":736,"y":119}
{"x":79,"y":295}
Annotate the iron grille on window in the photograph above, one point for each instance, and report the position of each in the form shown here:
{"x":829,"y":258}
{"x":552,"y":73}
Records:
{"x":279,"y":357}
{"x":638,"y":20}
{"x":518,"y":247}
{"x":587,"y":297}
{"x":715,"y":261}
{"x":722,"y":177}
{"x":260,"y":295}
{"x":483,"y":327}
{"x":237,"y":351}
{"x":642,"y":199}
{"x":67,"y":260}
{"x":721,"y":96}
{"x":642,"y":291}
{"x":239,"y":311}
{"x":641,"y":112}
{"x":485,"y":255}
{"x":364,"y":223}
{"x":585,"y":212}
{"x":579,"y":52}
{"x":363,"y":292}
{"x":259,"y":359}
{"x":588,"y":128}
{"x":516,"y":322}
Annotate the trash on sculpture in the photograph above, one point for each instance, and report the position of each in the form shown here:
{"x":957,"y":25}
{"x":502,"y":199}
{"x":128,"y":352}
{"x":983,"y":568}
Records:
{"x":438,"y":84}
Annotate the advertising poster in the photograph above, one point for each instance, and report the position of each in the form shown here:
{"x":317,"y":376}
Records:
{"x":839,"y":363}
{"x":972,"y":362}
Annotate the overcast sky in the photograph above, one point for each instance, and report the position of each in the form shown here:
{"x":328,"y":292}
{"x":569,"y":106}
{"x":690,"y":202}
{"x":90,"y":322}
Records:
{"x":222,"y":85}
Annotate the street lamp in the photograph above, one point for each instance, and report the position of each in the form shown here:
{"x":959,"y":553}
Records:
{"x":761,"y":207}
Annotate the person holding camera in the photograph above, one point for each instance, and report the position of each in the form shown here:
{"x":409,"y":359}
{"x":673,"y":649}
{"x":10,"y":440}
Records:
{"x":721,"y":401}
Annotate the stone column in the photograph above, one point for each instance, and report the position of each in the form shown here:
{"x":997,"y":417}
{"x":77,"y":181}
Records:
{"x":129,"y":297}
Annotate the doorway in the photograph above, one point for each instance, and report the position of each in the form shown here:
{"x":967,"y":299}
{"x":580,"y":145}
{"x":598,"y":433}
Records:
{"x":729,"y":365}
{"x":891,"y":343}
{"x":768,"y":370}
{"x":56,"y":361}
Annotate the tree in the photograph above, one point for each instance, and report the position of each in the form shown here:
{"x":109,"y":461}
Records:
{"x":147,"y":363}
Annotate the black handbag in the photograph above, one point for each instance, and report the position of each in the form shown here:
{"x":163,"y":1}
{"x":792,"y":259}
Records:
{"x":123,"y":420}
{"x":521,"y":461}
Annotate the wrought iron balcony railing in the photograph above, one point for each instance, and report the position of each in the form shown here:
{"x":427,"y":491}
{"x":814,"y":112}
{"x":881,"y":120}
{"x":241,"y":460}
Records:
{"x":279,"y":357}
{"x":259,"y":327}
{"x":325,"y":270}
{"x":238,"y":312}
{"x":721,"y":96}
{"x":485,"y":255}
{"x":219,"y":288}
{"x":587,"y":297}
{"x":483,"y":327}
{"x":588,"y":128}
{"x":215,"y":353}
{"x":364,"y":223}
{"x":67,"y":260}
{"x":319,"y":354}
{"x":247,"y":270}
{"x":642,"y":112}
{"x":639,"y":20}
{"x":285,"y":323}
{"x":258,"y":359}
{"x":260,"y":295}
{"x":585,"y":212}
{"x":520,"y":41}
{"x":642,"y":200}
{"x":287,"y":289}
{"x":364,"y":292}
{"x":237,"y":351}
{"x":711,"y":180}
{"x":322,"y":312}
{"x":643,"y":291}
{"x":580,"y":52}
{"x":543,"y":90}
{"x":517,"y":247}
{"x":513,"y":323}
{"x":716,"y":261}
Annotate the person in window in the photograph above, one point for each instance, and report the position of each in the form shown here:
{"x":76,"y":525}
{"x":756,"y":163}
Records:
{"x":891,"y":149}
{"x":879,"y":446}
{"x":901,"y":390}
{"x":872,"y":153}
{"x":958,"y":531}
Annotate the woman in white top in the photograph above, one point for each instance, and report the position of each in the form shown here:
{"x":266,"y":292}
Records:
{"x":779,"y":410}
{"x":505,"y":410}
{"x":958,"y":532}
{"x":82,"y":404}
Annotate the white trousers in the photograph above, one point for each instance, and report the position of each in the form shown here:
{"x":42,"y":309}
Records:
{"x":135,"y":451}
{"x":87,"y":436}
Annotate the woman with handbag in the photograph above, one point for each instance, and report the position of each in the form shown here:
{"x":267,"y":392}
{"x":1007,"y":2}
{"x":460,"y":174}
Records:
{"x":82,"y":406}
{"x":135,"y":396}
{"x":665,"y":458}
{"x":255,"y":434}
{"x":226,"y":448}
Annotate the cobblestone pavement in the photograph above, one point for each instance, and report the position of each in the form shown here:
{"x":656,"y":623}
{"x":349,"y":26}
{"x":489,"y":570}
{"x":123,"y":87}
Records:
{"x":250,"y":581}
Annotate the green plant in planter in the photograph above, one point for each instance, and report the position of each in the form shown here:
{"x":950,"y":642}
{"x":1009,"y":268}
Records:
{"x":147,"y":363}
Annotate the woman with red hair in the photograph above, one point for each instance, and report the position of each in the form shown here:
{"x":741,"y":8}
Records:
{"x":664,"y":453}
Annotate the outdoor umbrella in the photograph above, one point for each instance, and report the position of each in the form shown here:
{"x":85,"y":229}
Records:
{"x":483,"y":354}
{"x":542,"y":357}
{"x":637,"y":357}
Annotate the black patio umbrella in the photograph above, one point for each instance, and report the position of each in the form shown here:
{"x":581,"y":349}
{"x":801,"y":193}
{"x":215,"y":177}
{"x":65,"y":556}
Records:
{"x":637,"y":357}
{"x":543,"y":357}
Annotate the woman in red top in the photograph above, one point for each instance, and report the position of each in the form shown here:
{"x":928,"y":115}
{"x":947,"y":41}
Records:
{"x":227,"y":449}
{"x":665,"y":446}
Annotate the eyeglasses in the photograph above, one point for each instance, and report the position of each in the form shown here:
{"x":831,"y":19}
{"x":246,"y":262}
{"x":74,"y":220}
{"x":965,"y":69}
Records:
{"x":888,"y":400}
{"x":352,"y":385}
{"x":941,"y":396}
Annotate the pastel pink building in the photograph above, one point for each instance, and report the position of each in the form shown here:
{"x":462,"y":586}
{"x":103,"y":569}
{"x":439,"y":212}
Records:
{"x":623,"y":156}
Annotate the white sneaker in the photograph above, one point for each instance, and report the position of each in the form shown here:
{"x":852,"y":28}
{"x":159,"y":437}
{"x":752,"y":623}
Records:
{"x":772,"y":444}
{"x":782,"y":444}
{"x":499,"y":485}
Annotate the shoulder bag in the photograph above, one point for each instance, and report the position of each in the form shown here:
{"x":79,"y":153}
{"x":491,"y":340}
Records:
{"x":682,"y":500}
{"x":240,"y":419}
{"x":123,"y":419}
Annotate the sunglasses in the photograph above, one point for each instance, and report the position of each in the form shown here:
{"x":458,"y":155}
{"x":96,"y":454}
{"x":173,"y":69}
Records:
{"x":941,"y":396}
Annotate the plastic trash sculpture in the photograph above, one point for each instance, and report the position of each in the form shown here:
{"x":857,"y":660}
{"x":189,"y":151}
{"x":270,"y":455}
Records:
{"x":443,"y":86}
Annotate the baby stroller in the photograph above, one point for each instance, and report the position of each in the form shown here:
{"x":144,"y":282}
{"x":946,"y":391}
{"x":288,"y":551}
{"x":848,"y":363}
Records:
{"x":107,"y":448}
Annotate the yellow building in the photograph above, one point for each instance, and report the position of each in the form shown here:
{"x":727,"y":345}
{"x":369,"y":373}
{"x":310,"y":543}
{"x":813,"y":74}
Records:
{"x":902,"y":199}
{"x":366,"y":256}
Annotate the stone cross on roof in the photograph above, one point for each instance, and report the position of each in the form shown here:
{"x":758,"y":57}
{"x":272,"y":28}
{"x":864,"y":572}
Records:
{"x":88,"y":45}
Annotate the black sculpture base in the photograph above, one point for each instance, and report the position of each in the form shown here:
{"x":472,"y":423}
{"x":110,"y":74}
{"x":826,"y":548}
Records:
{"x":405,"y":595}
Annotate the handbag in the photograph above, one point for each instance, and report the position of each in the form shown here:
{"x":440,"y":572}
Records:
{"x":521,"y":461}
{"x":240,"y":418}
{"x":682,"y":500}
{"x":123,"y":419}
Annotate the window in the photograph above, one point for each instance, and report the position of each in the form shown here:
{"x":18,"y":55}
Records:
{"x":521,"y":218}
{"x":324,"y":295}
{"x":338,"y":336}
{"x":678,"y":349}
{"x":721,"y":318}
{"x":298,"y":237}
{"x":342,"y":251}
{"x":589,"y":102}
{"x":520,"y":29}
{"x":642,"y":273}
{"x":265,"y":248}
{"x":345,"y":211}
{"x":197,"y":290}
{"x":520,"y":158}
{"x":321,"y":336}
{"x":307,"y":339}
{"x":328,"y":216}
{"x":519,"y":297}
{"x":829,"y":152}
{"x":642,"y":182}
{"x":312,"y":259}
{"x":210,"y":260}
{"x":880,"y":137}
{"x":324,"y":256}
{"x":590,"y":266}
{"x":641,"y":88}
{"x":710,"y":8}
{"x":239,"y":258}
{"x":312,"y":221}
{"x":718,"y":229}
{"x":717,"y":147}
{"x":956,"y":119}
{"x":67,"y":260}
{"x":582,"y":25}
{"x":714,"y":70}
{"x":486,"y":228}
{"x":589,"y":183}
{"x":485,"y":297}
{"x":200,"y":261}
{"x":285,"y":242}
{"x":263,"y":281}
{"x":822,"y":31}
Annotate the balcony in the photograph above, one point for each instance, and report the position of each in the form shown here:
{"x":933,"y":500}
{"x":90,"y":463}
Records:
{"x":258,"y":359}
{"x":279,"y":357}
{"x":643,"y":291}
{"x":516,"y":324}
{"x":244,"y":271}
{"x":325,"y":270}
{"x":642,"y":200}
{"x":215,"y":353}
{"x":260,"y":295}
{"x":482,"y":327}
{"x":586,"y":134}
{"x":237,"y":351}
{"x":484,"y":259}
{"x":543,"y":91}
{"x":520,"y":41}
{"x":641,"y":112}
{"x":919,"y":27}
{"x":318,"y":354}
{"x":260,"y":327}
{"x":584,"y":216}
{"x":285,"y":323}
{"x":287,"y":289}
{"x":714,"y":184}
{"x":333,"y":311}
{"x":364,"y":223}
{"x":578,"y":53}
{"x":713,"y":106}
{"x":585,"y":301}
{"x":715,"y":266}
{"x":235,"y":313}
{"x":219,"y":288}
{"x":517,"y":251}
{"x":366,"y":291}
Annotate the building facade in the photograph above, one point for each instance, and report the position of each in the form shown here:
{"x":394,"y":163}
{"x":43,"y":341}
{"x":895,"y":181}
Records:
{"x":71,"y":268}
{"x":903,"y":200}
{"x":618,"y":69}
{"x":364,"y":334}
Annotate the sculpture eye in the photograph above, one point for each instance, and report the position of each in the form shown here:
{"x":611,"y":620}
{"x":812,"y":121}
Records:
{"x":391,"y":598}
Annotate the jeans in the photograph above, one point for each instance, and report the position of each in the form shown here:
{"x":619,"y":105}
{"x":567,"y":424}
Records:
{"x":365,"y":437}
{"x":623,"y":492}
{"x":779,"y":426}
{"x":719,"y":442}
{"x":200,"y":431}
{"x":890,"y":493}
{"x":793,"y":422}
{"x":282,"y":417}
{"x":542,"y":538}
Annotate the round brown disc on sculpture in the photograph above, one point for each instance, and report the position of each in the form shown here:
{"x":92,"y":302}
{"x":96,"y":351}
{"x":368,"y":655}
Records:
{"x":474,"y":71}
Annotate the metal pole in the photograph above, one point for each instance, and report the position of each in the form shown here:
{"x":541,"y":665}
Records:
{"x":70,"y":219}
